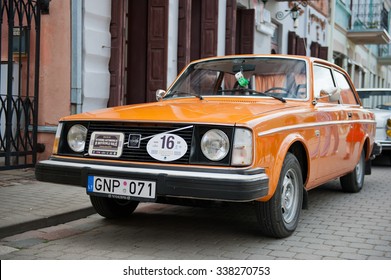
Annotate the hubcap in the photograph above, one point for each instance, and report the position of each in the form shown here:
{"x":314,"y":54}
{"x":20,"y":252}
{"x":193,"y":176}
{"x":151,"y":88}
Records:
{"x":289,"y":196}
{"x":359,"y":170}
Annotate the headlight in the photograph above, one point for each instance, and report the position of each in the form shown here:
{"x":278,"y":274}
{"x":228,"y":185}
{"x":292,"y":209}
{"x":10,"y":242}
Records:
{"x":242,"y":153}
{"x":77,"y":138}
{"x":215,"y":144}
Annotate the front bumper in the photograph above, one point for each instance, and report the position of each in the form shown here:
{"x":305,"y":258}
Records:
{"x":386,"y":145}
{"x":210,"y":184}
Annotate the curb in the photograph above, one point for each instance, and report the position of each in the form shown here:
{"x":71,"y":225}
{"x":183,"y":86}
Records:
{"x":46,"y":221}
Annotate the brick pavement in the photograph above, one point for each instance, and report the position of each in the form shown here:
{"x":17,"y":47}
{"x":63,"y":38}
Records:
{"x":337,"y":225}
{"x":14,"y":177}
{"x":27,"y":204}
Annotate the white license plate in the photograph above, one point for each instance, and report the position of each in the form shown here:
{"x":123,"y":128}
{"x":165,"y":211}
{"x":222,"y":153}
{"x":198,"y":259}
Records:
{"x":121,"y":188}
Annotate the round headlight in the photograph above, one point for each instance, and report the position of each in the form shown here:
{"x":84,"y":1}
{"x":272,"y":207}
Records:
{"x":77,"y":135}
{"x":215,"y":144}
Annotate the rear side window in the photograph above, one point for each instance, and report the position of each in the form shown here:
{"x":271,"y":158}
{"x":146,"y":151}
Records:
{"x":347,"y":94}
{"x":323,"y":80}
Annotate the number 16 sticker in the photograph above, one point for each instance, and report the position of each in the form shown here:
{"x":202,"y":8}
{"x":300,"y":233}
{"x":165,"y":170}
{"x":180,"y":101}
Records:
{"x":167,"y":147}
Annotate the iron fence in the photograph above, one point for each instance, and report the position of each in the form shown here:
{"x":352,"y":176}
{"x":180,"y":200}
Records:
{"x":19,"y":84}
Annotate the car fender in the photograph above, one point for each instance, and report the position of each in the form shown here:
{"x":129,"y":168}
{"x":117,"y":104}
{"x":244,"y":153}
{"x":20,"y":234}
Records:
{"x":366,"y":144}
{"x":274,"y":169}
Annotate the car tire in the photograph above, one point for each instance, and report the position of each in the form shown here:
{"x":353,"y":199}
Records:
{"x":279,"y":216}
{"x":354,"y":181}
{"x":113,"y":208}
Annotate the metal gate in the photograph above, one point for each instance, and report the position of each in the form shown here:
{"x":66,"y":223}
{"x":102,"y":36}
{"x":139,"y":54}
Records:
{"x":19,"y":50}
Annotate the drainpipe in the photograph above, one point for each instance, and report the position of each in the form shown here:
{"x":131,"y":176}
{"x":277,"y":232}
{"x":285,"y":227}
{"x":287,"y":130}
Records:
{"x":76,"y":54}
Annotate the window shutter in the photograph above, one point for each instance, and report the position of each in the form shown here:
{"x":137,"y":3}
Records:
{"x":323,"y":52}
{"x":209,"y":18}
{"x":184,"y":32}
{"x":300,"y":46}
{"x":245,"y":32}
{"x":230,"y":27}
{"x":157,"y":47}
{"x":291,"y":42}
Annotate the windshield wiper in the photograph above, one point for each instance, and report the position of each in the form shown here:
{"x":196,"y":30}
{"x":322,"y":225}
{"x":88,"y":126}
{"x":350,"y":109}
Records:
{"x":253,"y":91}
{"x":187,"y":93}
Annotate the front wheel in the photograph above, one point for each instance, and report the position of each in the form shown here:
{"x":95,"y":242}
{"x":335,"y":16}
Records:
{"x":279,"y":216}
{"x":113,"y":208}
{"x":354,"y":181}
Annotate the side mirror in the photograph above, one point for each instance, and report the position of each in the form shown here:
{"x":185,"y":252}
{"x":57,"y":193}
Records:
{"x":333,"y":93}
{"x":160,"y":94}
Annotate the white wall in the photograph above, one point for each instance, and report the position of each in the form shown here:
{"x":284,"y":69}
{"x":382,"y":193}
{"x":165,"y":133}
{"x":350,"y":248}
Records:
{"x":172,"y":52}
{"x":221,"y":27}
{"x":96,"y":54}
{"x":264,"y":29}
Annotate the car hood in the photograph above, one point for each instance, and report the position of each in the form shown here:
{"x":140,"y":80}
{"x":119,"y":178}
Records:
{"x":223,"y":111}
{"x":381,"y":116}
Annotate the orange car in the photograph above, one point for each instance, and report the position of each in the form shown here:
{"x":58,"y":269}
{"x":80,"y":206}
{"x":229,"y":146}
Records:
{"x":263,"y":129}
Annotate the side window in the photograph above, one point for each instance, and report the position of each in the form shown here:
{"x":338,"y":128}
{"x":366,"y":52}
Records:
{"x":323,"y":79}
{"x":347,"y":94}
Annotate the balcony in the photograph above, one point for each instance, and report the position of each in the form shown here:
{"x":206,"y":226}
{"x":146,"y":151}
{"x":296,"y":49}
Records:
{"x":369,"y":24}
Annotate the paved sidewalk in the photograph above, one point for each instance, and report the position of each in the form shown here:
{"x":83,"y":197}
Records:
{"x":27,"y":204}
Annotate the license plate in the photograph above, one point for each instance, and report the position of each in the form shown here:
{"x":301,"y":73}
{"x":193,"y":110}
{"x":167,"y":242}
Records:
{"x":121,"y":188}
{"x":106,"y":144}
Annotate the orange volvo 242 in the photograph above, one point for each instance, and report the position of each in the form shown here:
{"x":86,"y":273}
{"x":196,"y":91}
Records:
{"x":263,"y":129}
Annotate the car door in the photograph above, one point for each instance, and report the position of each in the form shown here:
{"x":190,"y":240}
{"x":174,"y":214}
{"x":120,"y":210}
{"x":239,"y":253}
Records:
{"x":355,"y":133}
{"x":332,"y":128}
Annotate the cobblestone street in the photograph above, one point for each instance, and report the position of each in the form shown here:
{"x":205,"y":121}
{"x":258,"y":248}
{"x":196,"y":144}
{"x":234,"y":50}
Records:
{"x":337,"y":225}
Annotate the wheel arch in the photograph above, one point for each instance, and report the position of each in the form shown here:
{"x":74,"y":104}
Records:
{"x":368,"y":151}
{"x":294,"y":144}
{"x":367,"y":148}
{"x":300,"y":152}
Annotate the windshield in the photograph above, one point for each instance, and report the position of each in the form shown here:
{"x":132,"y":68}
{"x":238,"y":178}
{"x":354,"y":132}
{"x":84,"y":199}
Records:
{"x":241,"y":76}
{"x":376,"y":99}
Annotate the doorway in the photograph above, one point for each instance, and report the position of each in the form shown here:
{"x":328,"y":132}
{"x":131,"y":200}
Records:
{"x":139,"y":50}
{"x":146,"y":60}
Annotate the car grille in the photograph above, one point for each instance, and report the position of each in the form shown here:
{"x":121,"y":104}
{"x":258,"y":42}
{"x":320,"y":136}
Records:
{"x":145,"y":130}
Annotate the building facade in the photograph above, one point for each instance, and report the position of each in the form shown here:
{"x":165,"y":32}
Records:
{"x":101,"y":53}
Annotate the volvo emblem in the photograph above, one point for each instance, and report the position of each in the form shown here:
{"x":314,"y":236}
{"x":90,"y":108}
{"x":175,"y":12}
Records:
{"x":134,"y":141}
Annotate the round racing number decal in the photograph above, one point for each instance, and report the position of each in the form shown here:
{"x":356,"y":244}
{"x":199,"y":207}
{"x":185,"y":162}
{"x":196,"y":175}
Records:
{"x":166,"y":147}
